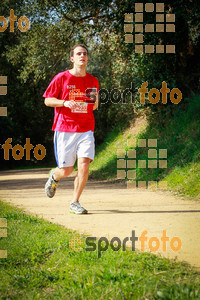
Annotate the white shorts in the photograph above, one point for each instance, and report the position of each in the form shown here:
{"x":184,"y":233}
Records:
{"x":69,"y":146}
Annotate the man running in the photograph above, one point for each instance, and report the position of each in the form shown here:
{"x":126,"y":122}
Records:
{"x":73,"y":124}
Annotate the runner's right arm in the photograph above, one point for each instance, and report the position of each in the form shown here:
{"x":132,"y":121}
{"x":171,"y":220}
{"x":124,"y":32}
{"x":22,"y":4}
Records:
{"x":54,"y":102}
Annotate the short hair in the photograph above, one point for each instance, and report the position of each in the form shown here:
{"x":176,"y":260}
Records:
{"x":75,"y":46}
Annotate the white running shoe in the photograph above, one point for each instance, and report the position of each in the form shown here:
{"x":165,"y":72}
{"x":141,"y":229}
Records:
{"x":76,"y":208}
{"x":51,"y":185}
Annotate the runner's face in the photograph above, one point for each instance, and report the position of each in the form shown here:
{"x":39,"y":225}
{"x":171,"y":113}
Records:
{"x":80,"y":57}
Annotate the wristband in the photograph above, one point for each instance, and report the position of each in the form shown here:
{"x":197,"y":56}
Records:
{"x":64,"y":102}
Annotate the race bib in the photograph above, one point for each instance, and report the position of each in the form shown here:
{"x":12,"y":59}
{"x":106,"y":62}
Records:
{"x":78,"y":97}
{"x":81,"y":107}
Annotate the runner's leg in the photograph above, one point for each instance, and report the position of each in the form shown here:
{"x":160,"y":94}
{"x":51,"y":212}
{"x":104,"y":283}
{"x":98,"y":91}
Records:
{"x":62,"y":172}
{"x":81,"y":177}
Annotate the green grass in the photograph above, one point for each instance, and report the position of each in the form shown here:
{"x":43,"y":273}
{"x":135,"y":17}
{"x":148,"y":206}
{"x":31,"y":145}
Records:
{"x":186,"y":180}
{"x":178,"y":133}
{"x":40,"y":265}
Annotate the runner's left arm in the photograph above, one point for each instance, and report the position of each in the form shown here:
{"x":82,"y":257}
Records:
{"x":96,"y":104}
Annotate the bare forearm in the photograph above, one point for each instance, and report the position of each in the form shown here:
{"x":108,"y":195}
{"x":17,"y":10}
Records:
{"x":53,"y":102}
{"x":96,"y":104}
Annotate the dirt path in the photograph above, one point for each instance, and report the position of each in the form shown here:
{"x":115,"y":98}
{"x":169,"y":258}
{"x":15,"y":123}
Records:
{"x":114,"y":211}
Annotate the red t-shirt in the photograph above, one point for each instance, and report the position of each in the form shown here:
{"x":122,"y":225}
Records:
{"x":66,"y":86}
